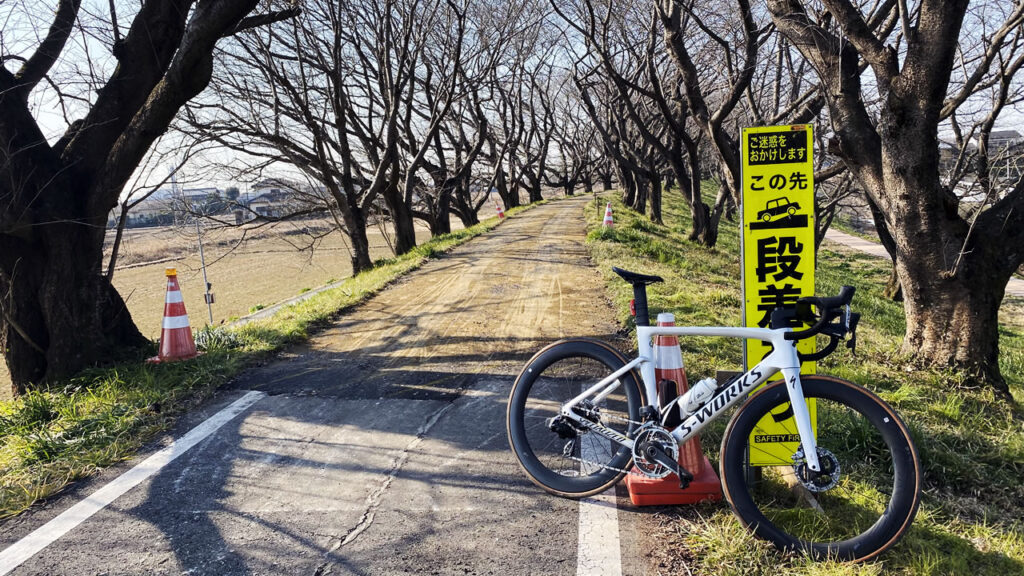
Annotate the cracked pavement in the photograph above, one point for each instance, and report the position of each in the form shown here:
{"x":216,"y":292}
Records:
{"x":381,"y":446}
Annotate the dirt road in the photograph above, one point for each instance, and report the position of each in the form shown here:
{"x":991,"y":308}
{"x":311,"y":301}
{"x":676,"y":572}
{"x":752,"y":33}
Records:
{"x":380,"y":447}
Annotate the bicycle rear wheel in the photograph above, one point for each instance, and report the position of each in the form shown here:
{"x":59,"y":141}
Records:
{"x":571,"y":462}
{"x":865,"y":501}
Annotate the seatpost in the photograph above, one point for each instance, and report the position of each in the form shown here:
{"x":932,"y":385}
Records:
{"x":640,"y":304}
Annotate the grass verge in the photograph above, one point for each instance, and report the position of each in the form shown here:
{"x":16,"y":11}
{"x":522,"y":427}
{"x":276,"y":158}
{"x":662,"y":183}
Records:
{"x":971,"y":445}
{"x":49,"y":439}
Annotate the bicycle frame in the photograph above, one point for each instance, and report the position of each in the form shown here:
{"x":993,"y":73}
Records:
{"x":783,"y":358}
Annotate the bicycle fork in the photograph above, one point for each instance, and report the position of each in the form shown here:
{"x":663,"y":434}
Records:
{"x":802,"y":416}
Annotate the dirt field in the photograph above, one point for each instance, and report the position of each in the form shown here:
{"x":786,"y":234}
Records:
{"x":247,"y":268}
{"x":267,"y":266}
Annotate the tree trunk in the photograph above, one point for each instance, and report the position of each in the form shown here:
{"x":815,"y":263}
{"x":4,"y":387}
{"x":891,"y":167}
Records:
{"x":62,"y":314}
{"x":893,"y":289}
{"x":510,"y":199}
{"x":606,"y":181}
{"x":354,"y":218}
{"x":951,"y":299}
{"x":442,"y":222}
{"x":464,"y":208}
{"x":640,"y":199}
{"x":656,"y":201}
{"x":628,"y":183}
{"x":535,"y":192}
{"x":401,"y":219}
{"x":356,"y":230}
{"x":954,"y":322}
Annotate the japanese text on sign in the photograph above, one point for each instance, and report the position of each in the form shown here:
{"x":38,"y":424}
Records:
{"x":777,"y":147}
{"x":778,"y":257}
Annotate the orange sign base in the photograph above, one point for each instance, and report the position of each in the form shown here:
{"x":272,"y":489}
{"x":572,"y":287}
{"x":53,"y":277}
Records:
{"x":644,"y":491}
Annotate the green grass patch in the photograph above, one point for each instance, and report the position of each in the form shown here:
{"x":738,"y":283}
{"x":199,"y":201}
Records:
{"x":51,"y":438}
{"x":971,"y":444}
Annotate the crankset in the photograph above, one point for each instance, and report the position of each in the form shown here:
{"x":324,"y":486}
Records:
{"x":656,"y":454}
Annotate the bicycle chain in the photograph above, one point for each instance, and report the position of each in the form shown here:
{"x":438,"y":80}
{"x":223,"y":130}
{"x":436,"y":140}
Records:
{"x":564,"y":455}
{"x":597,"y":414}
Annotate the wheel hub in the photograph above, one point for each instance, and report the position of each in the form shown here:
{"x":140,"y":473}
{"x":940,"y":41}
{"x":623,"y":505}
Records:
{"x":821,"y":481}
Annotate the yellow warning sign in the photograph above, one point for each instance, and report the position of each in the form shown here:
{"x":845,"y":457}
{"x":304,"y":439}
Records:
{"x":777,"y":205}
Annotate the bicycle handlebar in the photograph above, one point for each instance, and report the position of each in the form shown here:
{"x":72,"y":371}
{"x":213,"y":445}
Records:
{"x":828,"y":310}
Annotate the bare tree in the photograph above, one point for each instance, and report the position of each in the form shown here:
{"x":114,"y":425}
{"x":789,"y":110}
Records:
{"x":714,"y":91}
{"x":60,"y":313}
{"x":953,"y":266}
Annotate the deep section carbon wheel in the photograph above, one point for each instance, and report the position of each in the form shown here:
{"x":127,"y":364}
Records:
{"x":557,"y":454}
{"x":863,"y":500}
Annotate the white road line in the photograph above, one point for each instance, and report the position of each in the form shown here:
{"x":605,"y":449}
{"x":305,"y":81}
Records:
{"x":598,"y":551}
{"x":46,"y":534}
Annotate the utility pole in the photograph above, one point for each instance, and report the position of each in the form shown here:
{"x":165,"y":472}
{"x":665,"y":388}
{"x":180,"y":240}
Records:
{"x":199,"y":234}
{"x":206,"y":282}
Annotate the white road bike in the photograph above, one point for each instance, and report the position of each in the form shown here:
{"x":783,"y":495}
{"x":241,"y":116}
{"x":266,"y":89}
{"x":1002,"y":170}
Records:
{"x":580,"y":416}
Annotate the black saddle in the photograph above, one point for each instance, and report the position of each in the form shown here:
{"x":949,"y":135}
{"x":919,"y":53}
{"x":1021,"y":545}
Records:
{"x":637,"y":279}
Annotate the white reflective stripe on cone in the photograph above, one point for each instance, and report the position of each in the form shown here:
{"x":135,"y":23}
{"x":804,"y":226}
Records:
{"x":172,"y":322}
{"x":668,"y":361}
{"x":173,"y":297}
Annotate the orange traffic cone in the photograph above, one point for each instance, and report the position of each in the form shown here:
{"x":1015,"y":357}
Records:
{"x":501,"y":211}
{"x":176,"y":341}
{"x":671,"y":376}
{"x":608,"y":223}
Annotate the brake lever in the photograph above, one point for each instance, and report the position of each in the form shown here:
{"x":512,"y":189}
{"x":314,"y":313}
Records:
{"x":852,"y":342}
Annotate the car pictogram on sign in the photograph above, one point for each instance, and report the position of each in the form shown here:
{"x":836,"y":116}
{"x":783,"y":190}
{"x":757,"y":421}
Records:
{"x":776,"y":207}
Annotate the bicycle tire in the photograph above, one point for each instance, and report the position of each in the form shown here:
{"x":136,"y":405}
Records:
{"x":870,"y":443}
{"x":553,"y":376}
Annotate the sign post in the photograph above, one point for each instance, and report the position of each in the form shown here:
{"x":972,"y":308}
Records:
{"x":777,"y":246}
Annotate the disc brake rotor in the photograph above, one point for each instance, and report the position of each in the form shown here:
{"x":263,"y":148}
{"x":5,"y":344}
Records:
{"x":827,"y":479}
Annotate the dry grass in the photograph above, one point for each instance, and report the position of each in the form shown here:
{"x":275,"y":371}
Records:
{"x":259,"y":271}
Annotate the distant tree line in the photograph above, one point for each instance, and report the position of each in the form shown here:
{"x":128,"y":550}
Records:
{"x":417,"y":109}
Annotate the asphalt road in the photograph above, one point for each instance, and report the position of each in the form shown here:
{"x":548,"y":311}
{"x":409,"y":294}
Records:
{"x":380,"y":446}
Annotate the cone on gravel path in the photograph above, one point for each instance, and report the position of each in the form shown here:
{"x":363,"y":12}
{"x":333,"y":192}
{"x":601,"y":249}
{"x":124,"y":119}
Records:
{"x":608,"y":222}
{"x":176,"y":341}
{"x":671,"y":377}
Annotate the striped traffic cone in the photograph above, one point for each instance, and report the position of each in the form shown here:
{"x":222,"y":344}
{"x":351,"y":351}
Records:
{"x":671,"y":376}
{"x":501,"y":211}
{"x":608,"y":222}
{"x":176,"y":341}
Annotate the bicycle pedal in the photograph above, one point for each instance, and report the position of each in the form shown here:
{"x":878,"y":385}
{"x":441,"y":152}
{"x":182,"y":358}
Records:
{"x":685,"y":477}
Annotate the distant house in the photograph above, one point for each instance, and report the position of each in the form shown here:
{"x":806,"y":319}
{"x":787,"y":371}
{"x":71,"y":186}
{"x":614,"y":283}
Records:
{"x":948,"y":155}
{"x":199,"y":194}
{"x":272,"y":204}
{"x":280,"y":198}
{"x":275,"y":185}
{"x":153,"y":211}
{"x":150,"y":208}
{"x":999,"y":140}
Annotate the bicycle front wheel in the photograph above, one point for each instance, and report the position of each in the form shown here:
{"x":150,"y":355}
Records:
{"x":867,"y":496}
{"x":561,"y":458}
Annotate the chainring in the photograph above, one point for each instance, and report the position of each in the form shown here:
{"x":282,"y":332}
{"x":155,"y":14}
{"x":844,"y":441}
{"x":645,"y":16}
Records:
{"x":652,"y":432}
